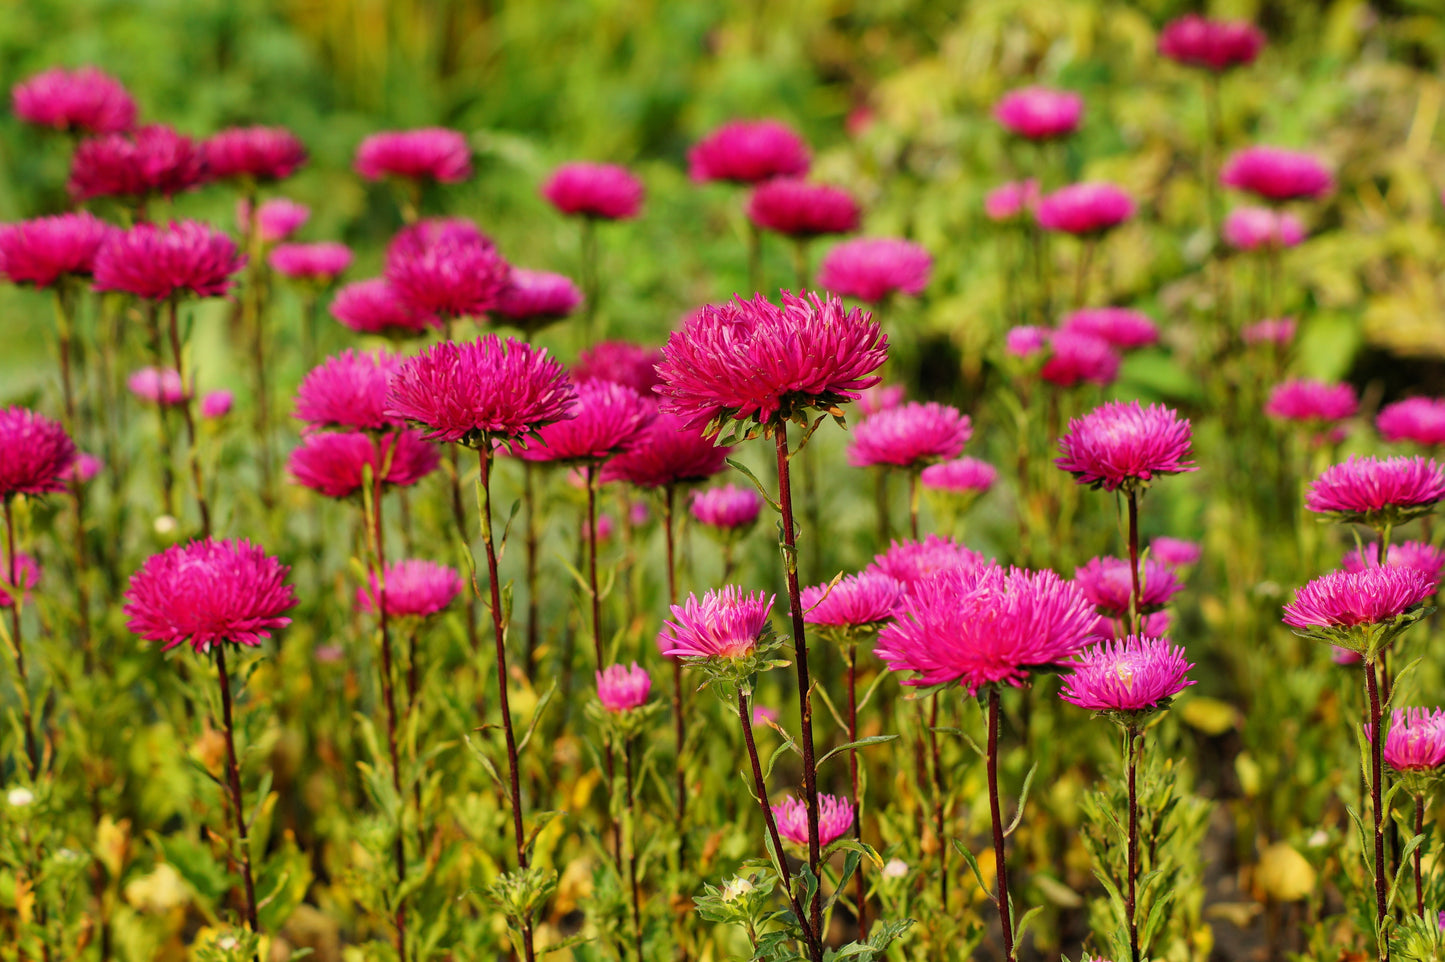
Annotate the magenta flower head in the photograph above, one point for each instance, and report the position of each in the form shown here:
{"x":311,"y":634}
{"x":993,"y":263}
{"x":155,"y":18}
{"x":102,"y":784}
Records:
{"x":86,"y":467}
{"x":1414,"y":742}
{"x":1377,"y":492}
{"x":1040,"y":113}
{"x":1086,"y":209}
{"x":38,"y":454}
{"x":429,"y":153}
{"x":1215,"y":45}
{"x":1417,"y":419}
{"x":872,"y":268}
{"x":800,"y":209}
{"x":1027,"y":340}
{"x":1261,"y":228}
{"x":1276,"y":174}
{"x":607,"y":419}
{"x":748,"y":152}
{"x":348,"y":391}
{"x":158,"y":385}
{"x":483,"y":390}
{"x":1127,"y":679}
{"x":317,"y":263}
{"x":275,"y":219}
{"x":1175,"y":553}
{"x":969,"y":477}
{"x":621,"y":363}
{"x":726,"y":633}
{"x":1119,"y":327}
{"x":338,"y":463}
{"x":1312,"y":402}
{"x":1078,"y":358}
{"x":599,"y":191}
{"x":668,"y":452}
{"x":835,"y":819}
{"x":207,"y":593}
{"x":1108,"y":584}
{"x":414,"y":589}
{"x":27,"y":570}
{"x":256,"y":154}
{"x":727,"y":508}
{"x":862,"y":601}
{"x":912,"y":562}
{"x":1278,"y":331}
{"x":986,"y":626}
{"x":756,"y":362}
{"x":185,"y":259}
{"x":912,"y":436}
{"x":152,"y":160}
{"x":533,"y":299}
{"x":86,"y":99}
{"x":1011,"y":201}
{"x":1360,"y":610}
{"x":413,"y":240}
{"x":453,"y":275}
{"x":1125,"y":445}
{"x":217,"y":404}
{"x":621,"y":689}
{"x":1420,"y":555}
{"x":373,"y":307}
{"x":46,"y":250}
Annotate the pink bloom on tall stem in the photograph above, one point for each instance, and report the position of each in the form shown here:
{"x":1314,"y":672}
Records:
{"x":254,"y":153}
{"x":1027,"y":340}
{"x":1375,"y":490}
{"x":800,"y":209}
{"x":319,"y":263}
{"x":1078,"y":358}
{"x":454,"y":276}
{"x":1040,"y":113}
{"x":336,"y":463}
{"x":534,"y":299}
{"x":1133,"y":675}
{"x":1175,"y":552}
{"x":1351,"y":599}
{"x":872,"y":268}
{"x":45,"y":250}
{"x":622,"y":689}
{"x":910,"y":436}
{"x":1276,"y":174}
{"x":604,"y":191}
{"x":835,"y":819}
{"x":86,"y":99}
{"x":158,"y":386}
{"x":1084,"y":209}
{"x":727,"y":507}
{"x":348,"y":390}
{"x":1108,"y":584}
{"x":606,"y":419}
{"x":275,"y":219}
{"x":1256,"y":228}
{"x":620,"y":362}
{"x":427,"y":153}
{"x":1123,"y":444}
{"x":152,"y":160}
{"x":1278,"y":331}
{"x":912,"y":562}
{"x":1119,"y":327}
{"x":1011,"y":201}
{"x":1420,"y":555}
{"x":968,"y":476}
{"x":37,"y":453}
{"x":748,"y":152}
{"x":28,"y":571}
{"x":1414,"y":740}
{"x":207,"y":593}
{"x":727,"y":623}
{"x":414,"y":589}
{"x":1215,"y":45}
{"x":1312,"y":402}
{"x":186,"y":258}
{"x":1417,"y":419}
{"x":866,"y":599}
{"x":668,"y":452}
{"x":373,"y":307}
{"x":217,"y":404}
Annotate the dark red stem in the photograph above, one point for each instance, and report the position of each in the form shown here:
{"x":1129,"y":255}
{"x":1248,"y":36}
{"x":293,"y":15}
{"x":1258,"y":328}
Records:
{"x":1000,"y":860}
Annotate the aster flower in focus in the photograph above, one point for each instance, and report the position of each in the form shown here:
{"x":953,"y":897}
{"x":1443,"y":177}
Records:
{"x":1417,"y":419}
{"x":726,"y":508}
{"x":1119,"y":327}
{"x":337,"y":463}
{"x":1312,"y":402}
{"x":256,"y":154}
{"x":319,"y":263}
{"x":207,"y":593}
{"x":1040,"y":113}
{"x":1086,"y":209}
{"x":622,"y":689}
{"x":1278,"y":331}
{"x":1360,"y":610}
{"x":911,"y":562}
{"x":1215,"y":45}
{"x":911,"y":436}
{"x":599,"y":191}
{"x":802,"y":210}
{"x":217,"y":404}
{"x":1125,"y":445}
{"x":1377,"y":492}
{"x":667,"y":453}
{"x":156,"y":263}
{"x":414,"y":589}
{"x":46,"y":250}
{"x":835,"y":819}
{"x":1175,"y":553}
{"x":1257,"y":228}
{"x":1276,"y":174}
{"x":1108,"y":583}
{"x":533,"y":299}
{"x":1076,"y":358}
{"x":748,"y":152}
{"x":274,"y":219}
{"x":864,"y":600}
{"x":726,"y":632}
{"x":1420,"y":555}
{"x":607,"y":419}
{"x":872,"y":268}
{"x":85,"y":100}
{"x":150,"y":161}
{"x":1132,"y":678}
{"x":448,"y":272}
{"x":427,"y":153}
{"x":348,"y":391}
{"x":1011,"y":201}
{"x":621,"y":363}
{"x":373,"y":307}
{"x":158,"y":385}
{"x":28,"y":573}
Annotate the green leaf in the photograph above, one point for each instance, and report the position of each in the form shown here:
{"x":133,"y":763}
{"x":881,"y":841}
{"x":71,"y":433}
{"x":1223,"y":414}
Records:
{"x":860,"y":743}
{"x":747,"y":472}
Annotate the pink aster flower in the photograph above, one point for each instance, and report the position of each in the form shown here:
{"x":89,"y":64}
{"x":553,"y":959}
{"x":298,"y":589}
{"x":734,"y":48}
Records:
{"x":1120,"y":327}
{"x":1276,"y":174}
{"x":1029,"y":339}
{"x":604,"y":191}
{"x":835,"y":819}
{"x":275,"y":219}
{"x":152,"y":160}
{"x":726,"y":623}
{"x":1078,"y":358}
{"x":864,"y":600}
{"x":800,"y":209}
{"x":1417,"y":419}
{"x":428,"y":153}
{"x":753,"y":360}
{"x":1040,"y":113}
{"x":158,"y":386}
{"x":1256,"y":228}
{"x":453,"y":275}
{"x":45,"y":250}
{"x":348,"y":390}
{"x":728,"y":507}
{"x":256,"y":154}
{"x":1123,"y":444}
{"x":1278,"y":331}
{"x":28,"y":572}
{"x":533,"y":299}
{"x":967,"y":476}
{"x":1212,"y":44}
{"x":336,"y":463}
{"x":1370,"y":489}
{"x":872,"y":268}
{"x":1312,"y":402}
{"x":1420,"y":555}
{"x":86,"y":99}
{"x":38,"y":454}
{"x":623,"y":689}
{"x":1175,"y":552}
{"x":506,"y":390}
{"x":986,"y":626}
{"x":1085,"y":209}
{"x":414,"y":240}
{"x":373,"y":307}
{"x":209,"y":592}
{"x":1415,"y":740}
{"x":319,"y":263}
{"x":912,"y":562}
{"x":1011,"y":201}
{"x":607,"y":419}
{"x":621,"y":363}
{"x":1108,"y":584}
{"x":878,"y":398}
{"x":414,"y":589}
{"x":910,"y":436}
{"x":217,"y":404}
{"x":185,"y":259}
{"x":748,"y":152}
{"x":667,"y":453}
{"x":1351,"y":599}
{"x":1133,"y":675}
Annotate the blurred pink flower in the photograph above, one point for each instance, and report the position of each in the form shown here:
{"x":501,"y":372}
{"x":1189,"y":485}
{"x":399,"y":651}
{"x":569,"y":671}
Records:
{"x":605,"y":528}
{"x":872,"y":268}
{"x":373,"y":307}
{"x":963,"y":476}
{"x":348,"y":390}
{"x":726,"y":623}
{"x":217,"y":404}
{"x":1277,"y":330}
{"x":414,"y":589}
{"x":1040,"y":113}
{"x":1212,"y":44}
{"x":158,"y":386}
{"x":1276,"y":174}
{"x":254,"y":153}
{"x":606,"y":419}
{"x":835,"y":819}
{"x":27,"y":577}
{"x":38,"y":454}
{"x":762,"y":715}
{"x":1029,"y":339}
{"x":623,"y":689}
{"x":427,"y":153}
{"x":1370,"y":488}
{"x":800,"y":209}
{"x":1254,"y":228}
{"x":668,"y":452}
{"x":1011,"y":201}
{"x":604,"y":191}
{"x":1120,"y":327}
{"x":336,"y":463}
{"x":414,"y":240}
{"x":727,"y":507}
{"x":911,"y":436}
{"x":1077,"y":358}
{"x":533,"y":299}
{"x":1086,"y":209}
{"x":152,"y":160}
{"x":1121,"y":444}
{"x":1420,"y":555}
{"x":452,"y":275}
{"x":44,"y":250}
{"x":1175,"y":552}
{"x":913,"y":562}
{"x":748,"y":152}
{"x":1133,"y":675}
{"x":1108,"y":584}
{"x":276,"y":219}
{"x":1313,"y":402}
{"x":321,"y":263}
{"x":1417,"y":419}
{"x":879,"y":397}
{"x":620,"y":362}
{"x":156,"y":263}
{"x":86,"y":99}
{"x":864,"y":600}
{"x":86,"y":466}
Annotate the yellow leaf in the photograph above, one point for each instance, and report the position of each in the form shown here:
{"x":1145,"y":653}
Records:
{"x":1284,"y":874}
{"x":1209,"y":715}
